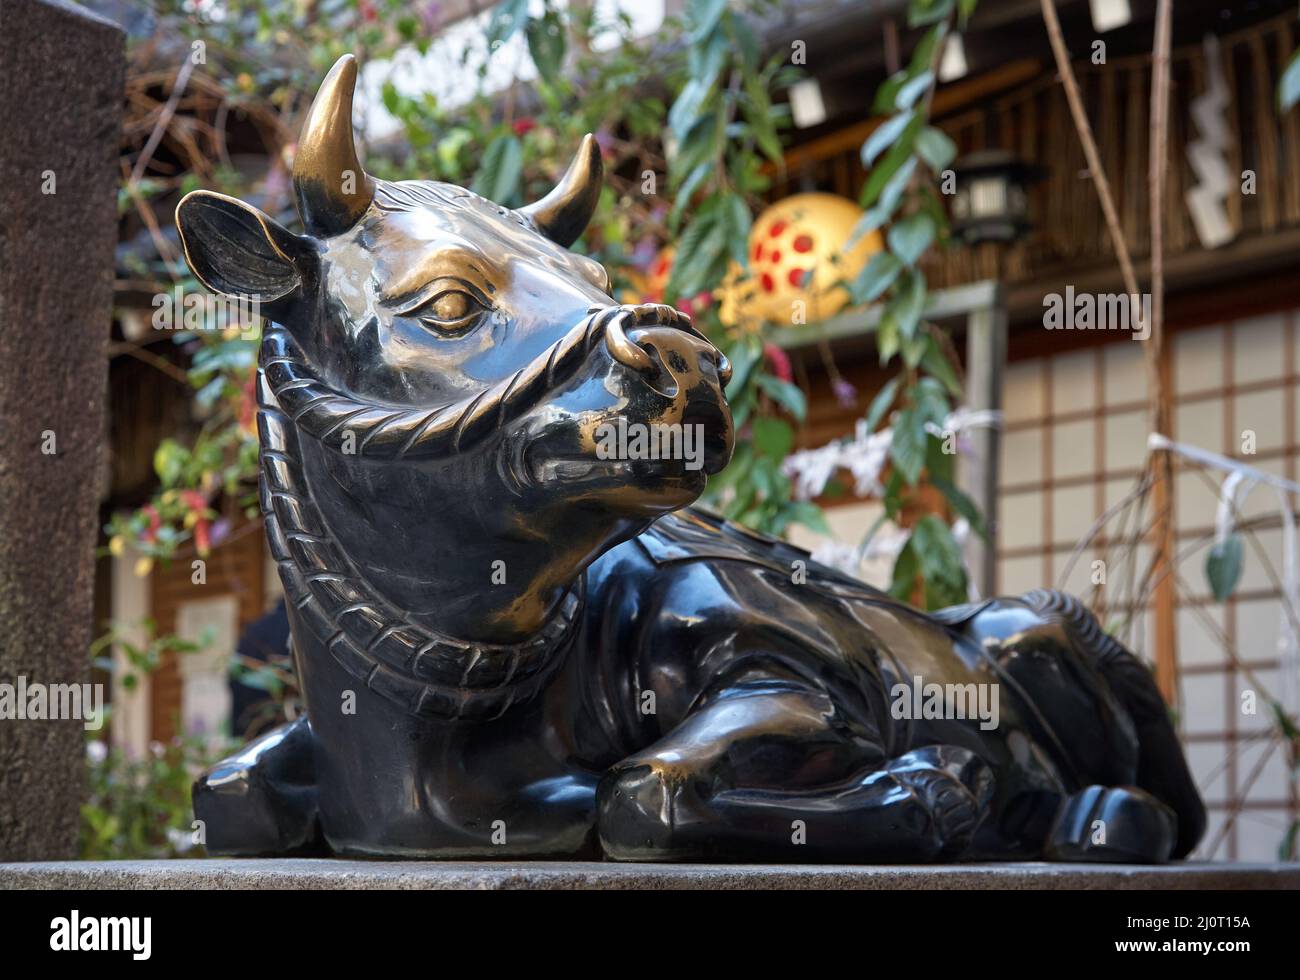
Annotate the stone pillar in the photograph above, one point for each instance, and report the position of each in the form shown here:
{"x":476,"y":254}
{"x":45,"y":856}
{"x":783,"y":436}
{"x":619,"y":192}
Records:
{"x":61,"y":91}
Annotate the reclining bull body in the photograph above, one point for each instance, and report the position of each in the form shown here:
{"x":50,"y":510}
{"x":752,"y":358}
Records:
{"x":510,"y":644}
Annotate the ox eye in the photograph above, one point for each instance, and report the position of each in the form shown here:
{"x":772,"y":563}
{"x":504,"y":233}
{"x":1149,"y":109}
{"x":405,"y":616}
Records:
{"x":452,"y":311}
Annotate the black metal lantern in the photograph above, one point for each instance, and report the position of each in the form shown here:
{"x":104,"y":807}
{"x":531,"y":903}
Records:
{"x":990,"y":202}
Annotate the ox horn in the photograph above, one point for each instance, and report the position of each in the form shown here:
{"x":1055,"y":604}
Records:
{"x":562,"y":215}
{"x":331,"y":188}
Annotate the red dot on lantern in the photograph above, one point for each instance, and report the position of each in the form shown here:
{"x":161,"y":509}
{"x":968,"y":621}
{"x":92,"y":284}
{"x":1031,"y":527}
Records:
{"x":758,"y":251}
{"x":768,"y":284}
{"x":797,"y":277}
{"x":777,"y":229}
{"x":775,"y":257}
{"x":803,"y":243}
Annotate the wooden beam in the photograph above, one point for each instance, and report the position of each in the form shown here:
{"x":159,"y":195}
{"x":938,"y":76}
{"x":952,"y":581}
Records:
{"x":946,"y":99}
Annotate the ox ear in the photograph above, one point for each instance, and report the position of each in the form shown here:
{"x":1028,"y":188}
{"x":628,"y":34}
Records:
{"x":237,"y":250}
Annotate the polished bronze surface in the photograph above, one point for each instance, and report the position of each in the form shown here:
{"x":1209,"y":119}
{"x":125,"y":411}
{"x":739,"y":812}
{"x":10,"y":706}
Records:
{"x":515,"y":637}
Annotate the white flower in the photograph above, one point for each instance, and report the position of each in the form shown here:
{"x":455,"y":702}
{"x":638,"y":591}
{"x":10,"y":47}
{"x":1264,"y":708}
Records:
{"x":96,"y":752}
{"x":180,"y":840}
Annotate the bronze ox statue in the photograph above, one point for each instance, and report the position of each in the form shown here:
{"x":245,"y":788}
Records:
{"x":511,"y":644}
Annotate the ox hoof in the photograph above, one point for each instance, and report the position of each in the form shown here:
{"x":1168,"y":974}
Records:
{"x":1121,"y":824}
{"x":640,"y":810}
{"x":955,"y":787}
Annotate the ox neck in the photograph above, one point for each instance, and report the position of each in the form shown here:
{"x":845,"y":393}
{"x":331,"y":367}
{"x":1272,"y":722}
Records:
{"x":427,"y":669}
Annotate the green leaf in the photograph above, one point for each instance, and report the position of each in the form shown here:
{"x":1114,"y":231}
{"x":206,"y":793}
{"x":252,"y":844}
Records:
{"x":907,"y":304}
{"x":931,"y":400}
{"x":546,"y":44}
{"x":759,"y":116}
{"x":887,"y":338}
{"x":935,"y":148}
{"x":699,"y":249}
{"x":876,"y":276}
{"x":913,"y":89}
{"x":881,"y":403}
{"x":939,"y":465}
{"x":744,"y":357}
{"x":1288,"y":86}
{"x":887,"y":95}
{"x":785,"y":394}
{"x":923,"y":53}
{"x":899,"y":155}
{"x":941,"y":563}
{"x":885,"y":135}
{"x":907,"y":447}
{"x":921,"y":12}
{"x":961,"y":503}
{"x":1223,"y":566}
{"x":773,"y":437}
{"x":936,"y":364}
{"x":703,"y":16}
{"x":169,"y":461}
{"x":687,"y":191}
{"x":906,"y":568}
{"x":498,"y":174}
{"x":909,"y":238}
{"x":506,"y":21}
{"x":890,"y":197}
{"x":740,"y":220}
{"x":685,"y":113}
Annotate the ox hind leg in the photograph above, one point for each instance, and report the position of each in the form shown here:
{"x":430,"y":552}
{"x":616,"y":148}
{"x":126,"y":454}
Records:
{"x":766,"y":770}
{"x":1098,"y":707}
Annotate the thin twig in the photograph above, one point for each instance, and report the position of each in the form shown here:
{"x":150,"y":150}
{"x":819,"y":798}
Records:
{"x":160,"y":127}
{"x":1095,"y":169}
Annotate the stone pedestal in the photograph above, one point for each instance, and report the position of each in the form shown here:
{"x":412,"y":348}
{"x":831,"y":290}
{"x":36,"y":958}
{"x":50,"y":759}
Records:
{"x":61,"y":85}
{"x":312,"y":874}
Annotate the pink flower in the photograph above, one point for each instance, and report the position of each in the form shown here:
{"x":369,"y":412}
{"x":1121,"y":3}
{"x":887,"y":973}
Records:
{"x":779,"y":361}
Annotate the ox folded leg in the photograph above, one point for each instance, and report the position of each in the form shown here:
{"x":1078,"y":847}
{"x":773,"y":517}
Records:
{"x":770,"y":774}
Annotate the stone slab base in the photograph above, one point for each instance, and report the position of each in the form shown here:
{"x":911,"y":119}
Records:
{"x":312,"y":873}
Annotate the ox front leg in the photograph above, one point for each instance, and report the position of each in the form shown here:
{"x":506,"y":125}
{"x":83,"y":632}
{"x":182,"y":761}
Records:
{"x":261,"y":802}
{"x":767,"y":772}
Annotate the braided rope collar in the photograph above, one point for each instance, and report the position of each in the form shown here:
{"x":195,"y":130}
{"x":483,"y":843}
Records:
{"x":426,"y":673}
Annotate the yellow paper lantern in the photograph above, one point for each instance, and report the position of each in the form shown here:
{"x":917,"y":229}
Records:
{"x":796,"y":253}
